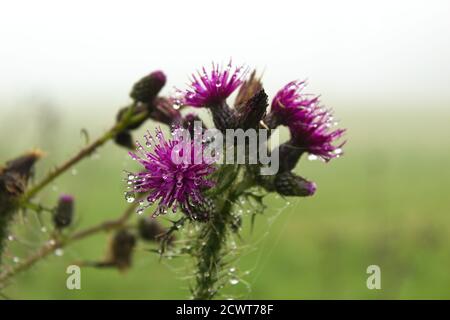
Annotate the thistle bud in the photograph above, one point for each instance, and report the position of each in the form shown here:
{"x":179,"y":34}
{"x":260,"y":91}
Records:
{"x":63,"y":215}
{"x":124,"y":139}
{"x":121,"y":250}
{"x":151,"y":230}
{"x":201,"y":211}
{"x":253,"y":110}
{"x":289,"y":184}
{"x":146,"y":89}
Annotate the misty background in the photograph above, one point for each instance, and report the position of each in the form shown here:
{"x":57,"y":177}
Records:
{"x":384,"y":67}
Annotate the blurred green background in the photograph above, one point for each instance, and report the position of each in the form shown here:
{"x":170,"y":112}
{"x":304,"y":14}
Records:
{"x":384,"y":203}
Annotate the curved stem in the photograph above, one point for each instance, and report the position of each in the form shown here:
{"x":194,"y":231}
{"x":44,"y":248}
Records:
{"x":50,"y":246}
{"x":86,"y":151}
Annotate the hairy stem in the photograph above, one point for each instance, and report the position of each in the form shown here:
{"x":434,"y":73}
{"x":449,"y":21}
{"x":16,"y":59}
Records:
{"x":50,"y":246}
{"x":213,"y":237}
{"x":210,"y":255}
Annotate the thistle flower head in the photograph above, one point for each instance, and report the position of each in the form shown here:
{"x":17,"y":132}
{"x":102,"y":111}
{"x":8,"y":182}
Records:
{"x":310,"y":131}
{"x":166,"y":180}
{"x":308,"y":122}
{"x":212,"y":88}
{"x":290,"y":101}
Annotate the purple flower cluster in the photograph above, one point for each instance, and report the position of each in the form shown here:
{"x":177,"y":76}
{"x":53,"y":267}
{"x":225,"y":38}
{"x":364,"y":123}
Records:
{"x":173,"y":184}
{"x":182,"y":185}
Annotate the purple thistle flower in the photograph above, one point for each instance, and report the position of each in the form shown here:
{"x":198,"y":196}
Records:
{"x":212,"y":89}
{"x":308,"y":122}
{"x":173,"y":184}
{"x":289,"y":101}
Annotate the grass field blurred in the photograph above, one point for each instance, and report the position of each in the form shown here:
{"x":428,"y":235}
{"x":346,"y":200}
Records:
{"x":384,"y":202}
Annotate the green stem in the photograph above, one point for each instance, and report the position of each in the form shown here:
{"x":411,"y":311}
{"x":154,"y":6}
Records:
{"x":209,"y":260}
{"x":128,"y":119}
{"x":213,"y":237}
{"x":50,"y":247}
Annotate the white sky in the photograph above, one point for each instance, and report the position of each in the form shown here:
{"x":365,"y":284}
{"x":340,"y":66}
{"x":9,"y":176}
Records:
{"x":363,"y":52}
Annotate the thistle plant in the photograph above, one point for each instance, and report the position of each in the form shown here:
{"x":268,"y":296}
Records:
{"x":181,"y":172}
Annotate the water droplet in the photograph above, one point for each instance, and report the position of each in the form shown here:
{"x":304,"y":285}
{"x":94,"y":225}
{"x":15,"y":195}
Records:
{"x":312,"y":157}
{"x":234,"y":281}
{"x":74,"y":172}
{"x":338,"y":151}
{"x":59,"y":252}
{"x":140,"y":211}
{"x":232,"y":269}
{"x":44,"y":229}
{"x":51,"y":242}
{"x":129,"y":197}
{"x":16,"y":259}
{"x":11,"y":237}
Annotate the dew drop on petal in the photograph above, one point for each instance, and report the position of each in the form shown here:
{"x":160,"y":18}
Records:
{"x":130,"y":197}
